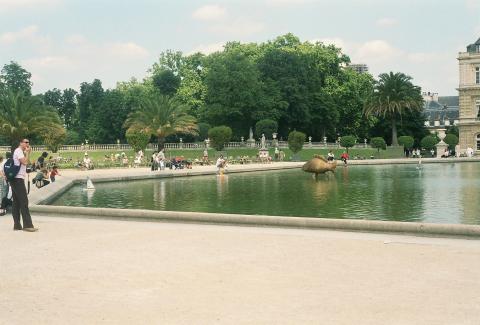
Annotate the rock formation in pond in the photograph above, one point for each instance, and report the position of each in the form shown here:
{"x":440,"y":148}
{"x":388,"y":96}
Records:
{"x":319,"y":165}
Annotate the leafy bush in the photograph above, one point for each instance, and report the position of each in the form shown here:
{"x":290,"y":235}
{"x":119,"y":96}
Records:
{"x":219,"y":135}
{"x":137,"y":139}
{"x":73,"y":137}
{"x":379,"y":143}
{"x":429,"y":142}
{"x":296,"y":140}
{"x":406,"y":141}
{"x":347,"y":141}
{"x":452,"y":140}
{"x":267,"y":127}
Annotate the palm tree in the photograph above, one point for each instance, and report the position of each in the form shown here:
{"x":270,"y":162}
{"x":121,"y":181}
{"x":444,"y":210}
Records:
{"x":161,"y":116}
{"x":393,"y":94}
{"x":22,"y":115}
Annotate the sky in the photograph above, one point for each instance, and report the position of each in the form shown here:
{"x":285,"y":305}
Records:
{"x":66,"y":42}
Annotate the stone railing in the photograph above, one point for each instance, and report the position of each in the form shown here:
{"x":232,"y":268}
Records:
{"x":187,"y":146}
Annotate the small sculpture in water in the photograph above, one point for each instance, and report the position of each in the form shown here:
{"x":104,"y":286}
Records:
{"x":319,"y":165}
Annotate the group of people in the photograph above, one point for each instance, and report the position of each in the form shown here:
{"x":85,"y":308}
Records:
{"x":279,"y":154}
{"x":158,"y":160}
{"x":344,"y":157}
{"x":413,"y":152}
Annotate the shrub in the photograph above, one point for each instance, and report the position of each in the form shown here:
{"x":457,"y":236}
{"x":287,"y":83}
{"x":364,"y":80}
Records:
{"x":347,"y":141}
{"x":429,"y":142}
{"x":379,"y":143}
{"x":137,"y":139}
{"x":452,"y":140}
{"x":73,"y":137}
{"x":406,"y":141}
{"x":267,"y":127}
{"x":296,"y":140}
{"x":219,"y":135}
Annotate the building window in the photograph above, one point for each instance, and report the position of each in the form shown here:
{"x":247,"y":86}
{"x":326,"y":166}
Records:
{"x":477,"y":47}
{"x":478,"y":142}
{"x":477,"y":75}
{"x":477,"y":107}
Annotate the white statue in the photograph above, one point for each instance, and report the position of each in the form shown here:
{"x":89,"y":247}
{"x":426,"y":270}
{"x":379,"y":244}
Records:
{"x":263,"y":141}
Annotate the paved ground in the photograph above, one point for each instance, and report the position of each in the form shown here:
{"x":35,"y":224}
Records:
{"x":81,"y":271}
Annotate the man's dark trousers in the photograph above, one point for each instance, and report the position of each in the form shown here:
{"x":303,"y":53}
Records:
{"x":20,"y":204}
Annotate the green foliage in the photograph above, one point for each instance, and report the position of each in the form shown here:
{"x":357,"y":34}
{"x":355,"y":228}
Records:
{"x":394,"y":94}
{"x":16,"y":79}
{"x":379,"y":143}
{"x":452,"y":129}
{"x":203,"y":131}
{"x":166,"y":82}
{"x":452,"y":140}
{"x":54,"y":138}
{"x":428,"y":142}
{"x":406,"y":141}
{"x":219,"y":135}
{"x":89,"y":102}
{"x":72,"y":137}
{"x":347,"y":141}
{"x":23,"y":116}
{"x":296,"y":140}
{"x":267,"y":127}
{"x":161,"y":116}
{"x":137,"y":139}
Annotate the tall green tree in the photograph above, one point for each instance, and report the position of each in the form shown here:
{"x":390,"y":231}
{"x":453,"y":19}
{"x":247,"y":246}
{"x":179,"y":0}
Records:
{"x":24,"y":116}
{"x":16,"y":79}
{"x":394,"y":94}
{"x":89,"y":101}
{"x":161,"y":116}
{"x":67,"y":111}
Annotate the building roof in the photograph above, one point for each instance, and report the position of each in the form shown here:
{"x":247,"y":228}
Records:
{"x":449,"y":100}
{"x":473,"y":47}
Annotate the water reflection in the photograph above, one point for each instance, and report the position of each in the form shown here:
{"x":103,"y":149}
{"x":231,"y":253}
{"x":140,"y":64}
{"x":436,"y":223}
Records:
{"x":436,"y":193}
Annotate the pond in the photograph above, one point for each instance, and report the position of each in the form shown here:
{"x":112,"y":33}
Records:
{"x":437,"y":193}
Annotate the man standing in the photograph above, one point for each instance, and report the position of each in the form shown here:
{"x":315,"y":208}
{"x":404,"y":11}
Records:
{"x":21,"y":157}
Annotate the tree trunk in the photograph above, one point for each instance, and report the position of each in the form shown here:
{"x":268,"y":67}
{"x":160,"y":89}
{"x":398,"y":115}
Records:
{"x":394,"y":133}
{"x":161,"y":143}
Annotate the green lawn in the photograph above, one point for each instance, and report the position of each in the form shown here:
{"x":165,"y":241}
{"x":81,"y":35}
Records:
{"x":98,"y":157}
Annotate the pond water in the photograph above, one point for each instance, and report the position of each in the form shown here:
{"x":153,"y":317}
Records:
{"x":437,"y":193}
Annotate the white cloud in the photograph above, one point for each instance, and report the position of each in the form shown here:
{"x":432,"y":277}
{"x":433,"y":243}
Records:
{"x":386,"y":22}
{"x":7,"y":5}
{"x":208,"y":48}
{"x":238,"y":29}
{"x":338,"y":42}
{"x":379,"y":50}
{"x":472,"y":4}
{"x":27,"y":33}
{"x":210,"y":13}
{"x":128,"y":50}
{"x":288,"y":2}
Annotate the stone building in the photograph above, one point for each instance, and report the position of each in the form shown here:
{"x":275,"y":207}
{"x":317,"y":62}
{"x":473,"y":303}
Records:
{"x":469,"y":98}
{"x":441,"y":112}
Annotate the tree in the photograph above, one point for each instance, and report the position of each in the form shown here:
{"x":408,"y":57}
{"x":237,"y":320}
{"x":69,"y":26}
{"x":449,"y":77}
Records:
{"x":406,"y":141}
{"x":54,"y":137}
{"x":137,"y":139}
{"x":89,"y":100}
{"x":161,"y":116}
{"x":267,"y":127}
{"x":219,"y":135}
{"x":68,"y":107}
{"x":296,"y":140}
{"x":429,"y":142}
{"x":347,"y":141}
{"x":166,"y":82}
{"x":24,"y":116}
{"x":203,"y":131}
{"x":452,"y":140}
{"x":394,"y":94}
{"x":16,"y":79}
{"x":379,"y":143}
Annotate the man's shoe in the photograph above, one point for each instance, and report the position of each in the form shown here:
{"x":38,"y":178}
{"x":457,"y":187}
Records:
{"x":32,"y":229}
{"x":17,"y":228}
